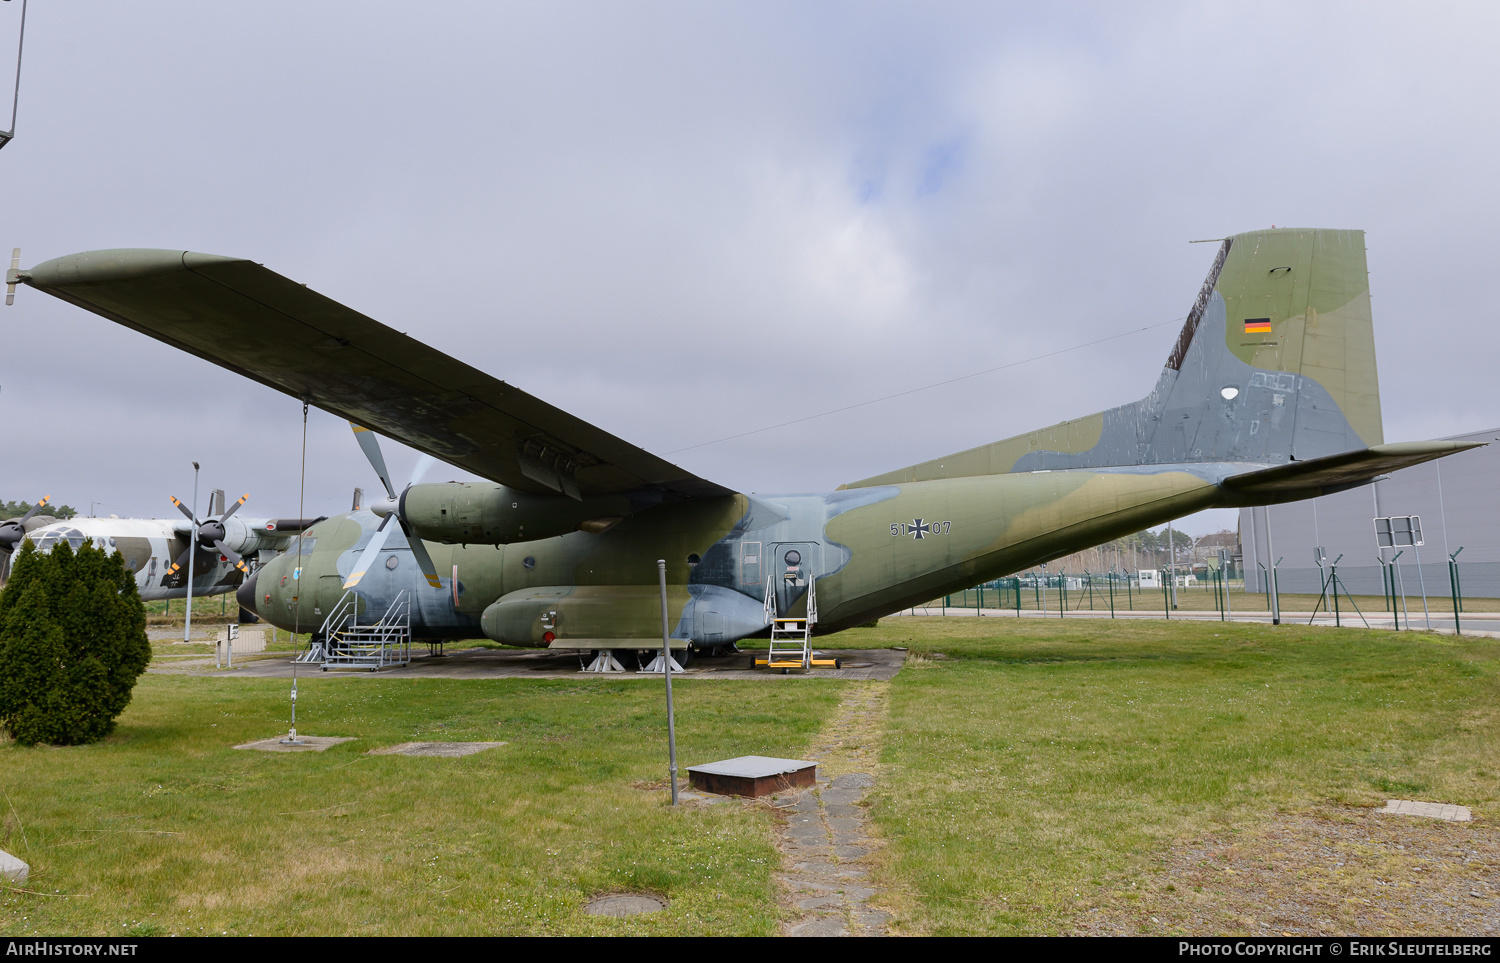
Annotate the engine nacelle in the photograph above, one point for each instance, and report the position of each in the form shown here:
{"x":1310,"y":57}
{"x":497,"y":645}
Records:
{"x":485,"y":513}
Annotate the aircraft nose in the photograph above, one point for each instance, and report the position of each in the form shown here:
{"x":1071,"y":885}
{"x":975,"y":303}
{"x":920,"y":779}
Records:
{"x":245,"y":594}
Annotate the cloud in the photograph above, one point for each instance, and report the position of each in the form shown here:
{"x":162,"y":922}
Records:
{"x":682,"y":221}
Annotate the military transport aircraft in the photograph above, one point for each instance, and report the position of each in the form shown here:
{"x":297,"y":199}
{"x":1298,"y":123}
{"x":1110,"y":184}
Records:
{"x":1269,"y":395}
{"x":155,"y":549}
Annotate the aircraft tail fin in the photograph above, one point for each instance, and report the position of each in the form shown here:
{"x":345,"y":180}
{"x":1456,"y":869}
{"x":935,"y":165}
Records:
{"x":1275,"y":364}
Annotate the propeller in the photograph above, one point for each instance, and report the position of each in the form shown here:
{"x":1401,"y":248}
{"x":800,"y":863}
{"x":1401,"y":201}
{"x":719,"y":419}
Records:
{"x":12,"y":531}
{"x":207,"y":534}
{"x":389,"y":508}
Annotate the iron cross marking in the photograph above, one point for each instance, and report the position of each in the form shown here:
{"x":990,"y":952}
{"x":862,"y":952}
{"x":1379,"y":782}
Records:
{"x":918,"y":528}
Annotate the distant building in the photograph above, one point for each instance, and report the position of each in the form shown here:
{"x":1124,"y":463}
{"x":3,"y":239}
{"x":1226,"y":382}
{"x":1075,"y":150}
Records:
{"x":1458,"y":499}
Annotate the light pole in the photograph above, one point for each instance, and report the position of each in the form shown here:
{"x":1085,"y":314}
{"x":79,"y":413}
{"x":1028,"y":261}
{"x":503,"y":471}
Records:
{"x":187,"y":622}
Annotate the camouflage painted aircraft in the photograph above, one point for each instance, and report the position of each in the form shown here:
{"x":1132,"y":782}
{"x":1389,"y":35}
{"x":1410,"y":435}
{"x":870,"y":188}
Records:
{"x":155,"y":549}
{"x":1269,"y":395}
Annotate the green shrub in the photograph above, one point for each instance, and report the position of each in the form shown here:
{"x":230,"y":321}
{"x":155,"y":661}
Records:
{"x":72,"y":644}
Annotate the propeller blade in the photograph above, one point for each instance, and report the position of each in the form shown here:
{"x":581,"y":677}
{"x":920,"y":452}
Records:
{"x":35,"y":508}
{"x":368,"y":556}
{"x":423,"y":464}
{"x":235,"y":507}
{"x":370,"y":445}
{"x":424,"y":561}
{"x":181,"y":562}
{"x":232,"y":555}
{"x":183,"y":508}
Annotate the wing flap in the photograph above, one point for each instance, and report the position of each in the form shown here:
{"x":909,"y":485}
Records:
{"x":243,"y":317}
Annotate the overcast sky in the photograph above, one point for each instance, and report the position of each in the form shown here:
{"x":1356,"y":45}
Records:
{"x":686,"y":221}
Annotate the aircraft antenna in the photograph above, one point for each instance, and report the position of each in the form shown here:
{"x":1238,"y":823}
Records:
{"x":15,"y":101}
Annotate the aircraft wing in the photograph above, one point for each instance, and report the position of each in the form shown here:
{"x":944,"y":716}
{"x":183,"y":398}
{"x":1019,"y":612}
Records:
{"x":1344,"y":470}
{"x":257,"y":323}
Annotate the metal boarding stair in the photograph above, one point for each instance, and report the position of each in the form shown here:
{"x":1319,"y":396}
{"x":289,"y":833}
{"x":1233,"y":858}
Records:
{"x":791,"y":636}
{"x":349,"y":645}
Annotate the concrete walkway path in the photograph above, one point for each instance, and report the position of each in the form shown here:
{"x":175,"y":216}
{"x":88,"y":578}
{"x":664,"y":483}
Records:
{"x":827,"y":844}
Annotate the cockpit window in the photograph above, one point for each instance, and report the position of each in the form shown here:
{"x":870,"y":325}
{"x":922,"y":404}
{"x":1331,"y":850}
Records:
{"x":47,"y":540}
{"x":301,"y":544}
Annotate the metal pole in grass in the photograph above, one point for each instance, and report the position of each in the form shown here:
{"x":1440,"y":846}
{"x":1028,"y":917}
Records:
{"x":1275,"y":587}
{"x":666,"y":671}
{"x":1332,"y":578}
{"x":1422,"y":582}
{"x":187,"y":621}
{"x":1453,"y":586}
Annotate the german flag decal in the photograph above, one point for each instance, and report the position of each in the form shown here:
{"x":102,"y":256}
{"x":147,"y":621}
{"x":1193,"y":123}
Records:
{"x":1257,"y":325}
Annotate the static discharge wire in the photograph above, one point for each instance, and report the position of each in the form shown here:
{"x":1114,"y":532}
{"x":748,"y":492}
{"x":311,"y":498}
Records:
{"x":935,"y":384}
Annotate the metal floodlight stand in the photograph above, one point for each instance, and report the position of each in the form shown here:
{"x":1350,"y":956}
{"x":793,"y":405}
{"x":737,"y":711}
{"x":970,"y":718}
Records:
{"x":187,"y":624}
{"x":666,"y":661}
{"x":1453,"y":585}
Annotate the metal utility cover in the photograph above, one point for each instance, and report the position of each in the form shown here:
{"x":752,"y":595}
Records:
{"x":753,"y":776}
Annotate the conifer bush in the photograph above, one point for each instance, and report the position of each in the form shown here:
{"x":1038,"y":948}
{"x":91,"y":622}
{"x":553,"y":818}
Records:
{"x":72,"y":644}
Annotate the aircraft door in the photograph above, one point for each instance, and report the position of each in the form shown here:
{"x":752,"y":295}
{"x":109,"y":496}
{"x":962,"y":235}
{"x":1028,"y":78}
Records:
{"x":791,"y":565}
{"x":330,"y":590}
{"x":750,"y":576}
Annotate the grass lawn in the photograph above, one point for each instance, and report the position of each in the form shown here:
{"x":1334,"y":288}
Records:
{"x":165,"y":828}
{"x":1041,"y":771}
{"x":1037,"y":777}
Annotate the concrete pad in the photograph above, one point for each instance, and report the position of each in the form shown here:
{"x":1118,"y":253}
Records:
{"x":831,"y":870}
{"x":313,"y":744}
{"x":13,"y":869}
{"x":447,"y":750}
{"x":1410,"y":807}
{"x":833,"y":901}
{"x":811,"y":885}
{"x":883,"y":664}
{"x":854,"y":780}
{"x":831,"y":926}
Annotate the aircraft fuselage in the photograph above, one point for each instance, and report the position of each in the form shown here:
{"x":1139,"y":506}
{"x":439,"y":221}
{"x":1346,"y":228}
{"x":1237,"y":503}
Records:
{"x":872,"y":551}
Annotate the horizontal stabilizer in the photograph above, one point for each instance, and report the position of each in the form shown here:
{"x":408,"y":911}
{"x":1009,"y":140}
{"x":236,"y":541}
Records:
{"x":1344,"y":470}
